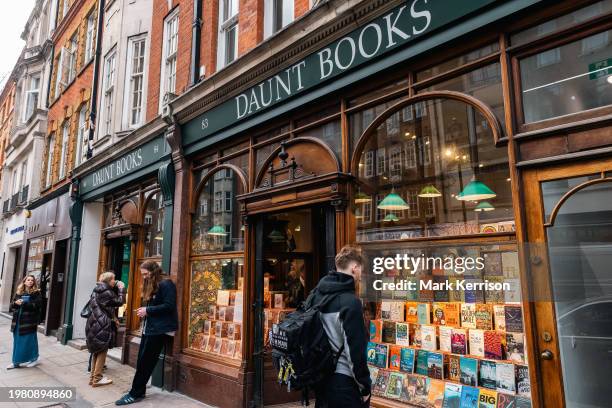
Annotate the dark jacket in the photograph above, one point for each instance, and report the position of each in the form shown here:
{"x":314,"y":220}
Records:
{"x":101,"y":330}
{"x":343,"y":322}
{"x":162,"y":316}
{"x":30,"y":313}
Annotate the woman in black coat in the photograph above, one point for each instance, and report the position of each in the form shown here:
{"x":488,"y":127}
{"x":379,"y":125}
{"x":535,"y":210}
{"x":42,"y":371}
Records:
{"x":26,"y":309}
{"x":101,"y":327}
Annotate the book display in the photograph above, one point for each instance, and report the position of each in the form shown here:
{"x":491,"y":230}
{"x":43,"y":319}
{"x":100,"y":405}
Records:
{"x":466,"y":353}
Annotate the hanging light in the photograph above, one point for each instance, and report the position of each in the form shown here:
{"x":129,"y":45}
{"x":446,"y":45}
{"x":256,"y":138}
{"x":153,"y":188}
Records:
{"x":217,"y":230}
{"x":476,"y":190}
{"x":276,"y":236}
{"x":390,"y":217}
{"x":430,"y":191}
{"x":393,"y":202}
{"x":298,"y":228}
{"x":361,"y":198}
{"x":484,"y":206}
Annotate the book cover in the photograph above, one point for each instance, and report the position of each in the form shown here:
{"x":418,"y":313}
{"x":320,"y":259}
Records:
{"x":411,"y":312}
{"x":522,"y":402}
{"x":371,"y":353}
{"x":458,"y":341}
{"x":477,"y":342}
{"x":514,"y":318}
{"x":435,"y":396}
{"x":493,"y":345}
{"x":407,"y":392}
{"x":494,"y":295}
{"x":515,"y":347}
{"x":454,"y":368}
{"x":394,"y":357}
{"x":421,"y":386}
{"x":424,"y":313}
{"x":402,"y":334}
{"x":438,"y":313}
{"x":441,"y":294}
{"x":512,"y":294}
{"x":373,"y":373}
{"x":523,"y":385}
{"x":452,"y":312}
{"x":510,"y":264}
{"x":412,"y":294}
{"x":407,"y":360}
{"x":487,"y":399}
{"x":452,"y":395}
{"x":379,"y":387}
{"x":505,"y":377}
{"x":428,"y":337}
{"x":445,"y":338}
{"x":425,"y":295}
{"x":473,"y":295}
{"x":388,"y":331}
{"x":488,"y":375}
{"x":421,"y":361}
{"x":223,"y":297}
{"x":415,"y":334}
{"x":484,"y":316}
{"x":394,"y":386}
{"x":499,"y":317}
{"x":455,"y":294}
{"x":493,"y":263}
{"x":435,"y":366}
{"x":469,"y":371}
{"x":376,"y":330}
{"x":392,"y":310}
{"x":468,"y":315}
{"x":469,"y":397}
{"x":377,"y":354}
{"x":505,"y":400}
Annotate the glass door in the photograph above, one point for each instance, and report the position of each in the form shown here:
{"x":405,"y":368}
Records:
{"x":569,"y":220}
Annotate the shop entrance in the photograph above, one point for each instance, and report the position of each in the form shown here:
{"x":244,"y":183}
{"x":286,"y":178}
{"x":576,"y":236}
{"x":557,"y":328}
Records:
{"x":119,"y":261}
{"x":569,"y":225}
{"x":294,"y":249}
{"x":54,"y":278}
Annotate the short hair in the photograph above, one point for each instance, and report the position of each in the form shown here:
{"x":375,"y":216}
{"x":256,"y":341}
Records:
{"x":106,"y":276}
{"x":347,"y":255}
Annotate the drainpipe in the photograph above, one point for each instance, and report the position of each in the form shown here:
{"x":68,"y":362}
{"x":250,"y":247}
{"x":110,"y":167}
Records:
{"x":93,"y":101}
{"x":196,"y":34}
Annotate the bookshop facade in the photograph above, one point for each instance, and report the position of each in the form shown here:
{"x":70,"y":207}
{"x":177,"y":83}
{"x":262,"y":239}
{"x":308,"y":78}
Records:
{"x":493,"y":146}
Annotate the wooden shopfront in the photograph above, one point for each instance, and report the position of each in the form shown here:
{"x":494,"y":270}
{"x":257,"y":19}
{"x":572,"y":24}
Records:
{"x":485,"y":144}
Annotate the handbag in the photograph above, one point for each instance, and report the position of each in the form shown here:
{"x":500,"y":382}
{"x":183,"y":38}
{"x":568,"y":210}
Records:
{"x":86,"y":311}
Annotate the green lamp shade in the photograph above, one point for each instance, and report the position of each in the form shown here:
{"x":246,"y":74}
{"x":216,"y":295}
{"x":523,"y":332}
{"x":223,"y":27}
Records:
{"x":476,"y":191}
{"x":391,"y":217}
{"x":484,"y":206}
{"x":430,"y":191}
{"x":217,"y":230}
{"x":276,"y":236}
{"x":361,"y":198}
{"x":393,"y":202}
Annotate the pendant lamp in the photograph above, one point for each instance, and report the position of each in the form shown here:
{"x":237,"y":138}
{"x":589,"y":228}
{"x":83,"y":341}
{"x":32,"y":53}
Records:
{"x":361,"y":198}
{"x":430,"y":191}
{"x":475,"y":191}
{"x":276,"y":236}
{"x":217,"y":230}
{"x":393,"y":202}
{"x":391,"y":217}
{"x":484,"y":206}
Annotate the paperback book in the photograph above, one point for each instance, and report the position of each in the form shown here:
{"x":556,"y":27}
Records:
{"x":407,"y":360}
{"x":420,"y":385}
{"x":452,"y":312}
{"x":484,"y":316}
{"x":395,"y":355}
{"x":452,"y":395}
{"x":454,"y":368}
{"x":438,"y":313}
{"x":458,"y":341}
{"x":435,"y":396}
{"x":473,"y":295}
{"x":487,"y":399}
{"x":493,"y":345}
{"x":493,"y":263}
{"x":394,"y":386}
{"x":392,"y":310}
{"x":499,"y":317}
{"x":377,"y":354}
{"x":441,"y":294}
{"x":388,"y":331}
{"x":477,"y":342}
{"x":415,"y":335}
{"x":469,"y":371}
{"x":488,"y":375}
{"x":411,"y":312}
{"x":421,"y":361}
{"x":505,"y":400}
{"x":505,"y":377}
{"x":523,"y":386}
{"x":379,"y":387}
{"x":522,"y":402}
{"x":468,"y":315}
{"x":428,"y":338}
{"x":445,"y":337}
{"x":424,"y":313}
{"x":514,"y":319}
{"x":435,"y":366}
{"x":402,"y":334}
{"x":494,"y":295}
{"x":515,"y":346}
{"x":376,"y":330}
{"x":469,"y":397}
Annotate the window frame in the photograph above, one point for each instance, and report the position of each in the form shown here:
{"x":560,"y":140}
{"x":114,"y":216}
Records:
{"x":82,"y":136}
{"x":90,"y":36}
{"x":130,"y":80}
{"x":64,"y":147}
{"x":49,"y":164}
{"x":31,"y":92}
{"x":108,"y":92}
{"x":169,"y":61}
{"x":227,"y":24}
{"x":72,"y":50}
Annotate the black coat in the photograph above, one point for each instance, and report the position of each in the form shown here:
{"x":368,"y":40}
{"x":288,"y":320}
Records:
{"x":162,"y":316}
{"x":101,"y":330}
{"x":30,"y":313}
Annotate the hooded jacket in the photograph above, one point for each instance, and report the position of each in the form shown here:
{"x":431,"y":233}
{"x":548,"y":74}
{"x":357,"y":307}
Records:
{"x":342,"y":319}
{"x":100,"y":329}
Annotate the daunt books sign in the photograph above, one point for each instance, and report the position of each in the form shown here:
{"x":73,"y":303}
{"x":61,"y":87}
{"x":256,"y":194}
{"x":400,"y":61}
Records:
{"x":400,"y":26}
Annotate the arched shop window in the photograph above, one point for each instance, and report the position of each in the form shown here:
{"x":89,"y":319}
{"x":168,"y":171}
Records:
{"x":217,"y":264}
{"x":431,"y":168}
{"x":153,"y":223}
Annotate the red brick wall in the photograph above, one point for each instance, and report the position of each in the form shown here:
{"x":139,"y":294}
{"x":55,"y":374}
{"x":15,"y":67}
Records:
{"x":208,"y":44}
{"x":300,"y":8}
{"x":250,"y":25}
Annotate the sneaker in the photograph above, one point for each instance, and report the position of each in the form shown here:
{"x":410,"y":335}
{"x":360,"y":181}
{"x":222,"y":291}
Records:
{"x":32,"y":363}
{"x":11,"y":366}
{"x":127,"y":399}
{"x":102,"y":381}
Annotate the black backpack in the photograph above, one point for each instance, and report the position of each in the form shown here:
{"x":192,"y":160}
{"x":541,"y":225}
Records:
{"x":301,"y":351}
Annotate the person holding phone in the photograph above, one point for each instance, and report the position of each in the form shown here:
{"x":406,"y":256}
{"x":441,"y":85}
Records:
{"x":26,"y":309}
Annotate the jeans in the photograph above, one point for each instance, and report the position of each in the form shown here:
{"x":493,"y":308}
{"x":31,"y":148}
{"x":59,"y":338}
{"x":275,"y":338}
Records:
{"x":97,"y":365}
{"x":339,"y":391}
{"x":148,"y":355}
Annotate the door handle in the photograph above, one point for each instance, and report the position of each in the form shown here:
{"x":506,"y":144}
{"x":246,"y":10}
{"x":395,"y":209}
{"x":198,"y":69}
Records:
{"x":546,"y":355}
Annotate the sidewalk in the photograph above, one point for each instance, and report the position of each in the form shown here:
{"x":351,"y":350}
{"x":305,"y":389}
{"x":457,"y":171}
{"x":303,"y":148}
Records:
{"x":65,"y":366}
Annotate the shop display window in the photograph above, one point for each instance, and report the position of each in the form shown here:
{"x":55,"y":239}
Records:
{"x":361,"y":119}
{"x":328,"y":133}
{"x":153,"y":224}
{"x":457,"y":62}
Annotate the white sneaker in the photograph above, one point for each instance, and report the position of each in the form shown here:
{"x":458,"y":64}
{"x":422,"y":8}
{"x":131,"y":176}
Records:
{"x":33,"y":363}
{"x":103,"y":381}
{"x":11,"y":366}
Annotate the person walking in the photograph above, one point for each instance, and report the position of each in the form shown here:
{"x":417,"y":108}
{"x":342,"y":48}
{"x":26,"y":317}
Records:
{"x":101,"y":326}
{"x":160,"y":324}
{"x":343,"y":322}
{"x":26,"y":309}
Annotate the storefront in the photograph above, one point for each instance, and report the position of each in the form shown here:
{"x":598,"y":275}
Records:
{"x":492,"y":145}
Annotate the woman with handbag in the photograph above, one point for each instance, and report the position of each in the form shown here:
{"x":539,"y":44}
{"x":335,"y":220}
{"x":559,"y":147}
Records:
{"x":101,"y":327}
{"x":26,"y":316}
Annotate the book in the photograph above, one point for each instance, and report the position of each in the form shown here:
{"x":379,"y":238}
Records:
{"x":515,"y":347}
{"x":512,"y":294}
{"x":510,"y":264}
{"x":421,"y":362}
{"x":373,"y":373}
{"x":453,"y":372}
{"x":523,"y":385}
{"x":377,"y":354}
{"x":420,"y":387}
{"x":407,"y":393}
{"x":371,"y":353}
{"x":494,"y":295}
{"x":488,"y":376}
{"x":415,"y":334}
{"x":445,"y":333}
{"x":407,"y":360}
{"x":394,"y":357}
{"x":279,"y":301}
{"x":468,"y":315}
{"x":452,"y":313}
{"x":455,"y":294}
{"x":435,"y":396}
{"x":428,"y":337}
{"x":435,"y":365}
{"x":388,"y":331}
{"x":458,"y":341}
{"x":411,"y":312}
{"x":392,"y":310}
{"x":425,"y":295}
{"x":424,"y":313}
{"x":438,"y":313}
{"x":223,"y":297}
{"x":493,"y":263}
{"x":477,"y":342}
{"x":402,"y":334}
{"x":474,"y":295}
{"x":469,"y":397}
{"x":484,"y":316}
{"x":499,"y":317}
{"x":487,"y":399}
{"x":505,"y":400}
{"x":452,"y":395}
{"x":522,"y":402}
{"x":441,"y":294}
{"x":376,"y":330}
{"x":514,"y":318}
{"x":469,"y":371}
{"x":394,"y":385}
{"x":505,"y":377}
{"x":493,"y":345}
{"x":379,"y":386}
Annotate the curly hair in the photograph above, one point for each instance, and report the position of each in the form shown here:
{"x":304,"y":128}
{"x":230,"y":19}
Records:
{"x":21,"y":289}
{"x":151,"y":284}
